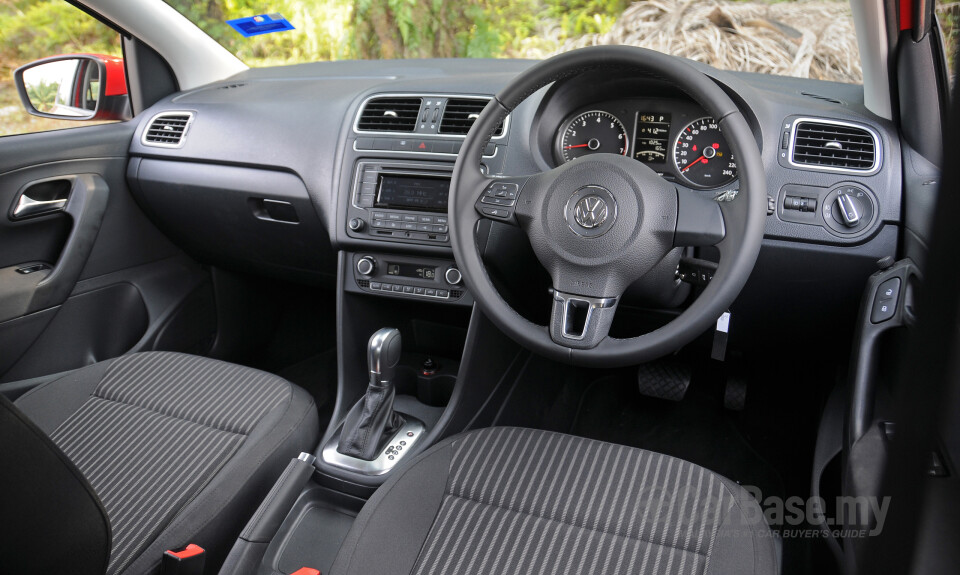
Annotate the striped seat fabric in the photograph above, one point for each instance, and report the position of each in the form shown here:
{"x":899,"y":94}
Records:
{"x":512,"y":501}
{"x":155,"y":431}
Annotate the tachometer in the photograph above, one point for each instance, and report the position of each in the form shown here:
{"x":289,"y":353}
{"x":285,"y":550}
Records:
{"x":593,"y":132}
{"x":702,"y":156}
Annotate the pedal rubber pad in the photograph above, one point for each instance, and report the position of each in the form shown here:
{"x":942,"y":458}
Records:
{"x":735,"y":393}
{"x":666,"y":378}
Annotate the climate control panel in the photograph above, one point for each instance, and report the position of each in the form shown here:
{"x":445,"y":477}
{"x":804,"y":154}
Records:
{"x":416,"y":278}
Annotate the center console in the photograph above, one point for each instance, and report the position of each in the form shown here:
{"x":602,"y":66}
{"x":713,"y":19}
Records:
{"x":400,"y":202}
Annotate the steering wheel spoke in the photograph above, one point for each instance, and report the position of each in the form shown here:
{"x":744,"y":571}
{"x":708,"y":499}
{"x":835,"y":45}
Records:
{"x":581,"y":322}
{"x":498,"y":198}
{"x":700,"y":221}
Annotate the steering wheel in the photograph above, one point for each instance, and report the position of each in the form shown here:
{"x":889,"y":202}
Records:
{"x":601,"y":222}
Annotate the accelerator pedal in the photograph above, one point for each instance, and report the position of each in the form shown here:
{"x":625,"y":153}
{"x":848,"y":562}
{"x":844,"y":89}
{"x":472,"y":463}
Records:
{"x":735,"y":393}
{"x":666,"y":378}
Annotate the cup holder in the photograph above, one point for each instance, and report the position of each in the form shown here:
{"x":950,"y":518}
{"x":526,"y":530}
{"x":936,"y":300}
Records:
{"x":432,"y":389}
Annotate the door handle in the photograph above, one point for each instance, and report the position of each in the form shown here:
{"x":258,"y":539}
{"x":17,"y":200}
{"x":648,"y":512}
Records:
{"x":27,"y":207}
{"x":41,"y":198}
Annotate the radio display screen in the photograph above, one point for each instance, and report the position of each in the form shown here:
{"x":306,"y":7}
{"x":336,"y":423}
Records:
{"x":417,"y":193}
{"x":411,"y":271}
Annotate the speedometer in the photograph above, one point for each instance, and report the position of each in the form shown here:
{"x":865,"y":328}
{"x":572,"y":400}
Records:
{"x":592,"y":132}
{"x":703,"y":158}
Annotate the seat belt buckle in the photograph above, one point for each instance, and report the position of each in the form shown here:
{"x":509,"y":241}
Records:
{"x":187,"y":560}
{"x":306,"y":571}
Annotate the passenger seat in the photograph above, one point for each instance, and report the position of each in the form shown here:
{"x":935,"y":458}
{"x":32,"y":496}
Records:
{"x":108,"y":466}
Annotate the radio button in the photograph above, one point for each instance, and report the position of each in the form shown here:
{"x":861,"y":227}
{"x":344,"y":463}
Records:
{"x":426,"y":219}
{"x":386,"y":287}
{"x":441,"y":219}
{"x":409,"y":218}
{"x":393,"y":216}
{"x":377,"y":223}
{"x":424,"y":228}
{"x":410,"y":227}
{"x":443,"y":293}
{"x":418,"y":291}
{"x":375,"y":286}
{"x":430,"y":292}
{"x":379,"y":215}
{"x":392,"y":225}
{"x":407,"y":289}
{"x":397,"y":288}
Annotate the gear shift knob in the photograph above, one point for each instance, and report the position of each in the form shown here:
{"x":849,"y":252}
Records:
{"x":383,"y":355}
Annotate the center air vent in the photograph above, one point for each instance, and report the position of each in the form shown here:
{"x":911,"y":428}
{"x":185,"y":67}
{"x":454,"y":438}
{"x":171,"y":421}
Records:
{"x":460,"y":114}
{"x":389,"y":115}
{"x":167,"y":129}
{"x":835,"y":146}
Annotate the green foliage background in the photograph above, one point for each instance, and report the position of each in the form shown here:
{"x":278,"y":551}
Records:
{"x":325,"y":29}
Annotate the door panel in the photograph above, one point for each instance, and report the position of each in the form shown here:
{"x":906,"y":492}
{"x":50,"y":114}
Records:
{"x":109,"y":280}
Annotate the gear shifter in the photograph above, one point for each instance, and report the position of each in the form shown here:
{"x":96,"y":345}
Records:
{"x":372,"y":421}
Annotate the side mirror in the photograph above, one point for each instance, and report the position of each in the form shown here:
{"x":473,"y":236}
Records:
{"x":75,"y":87}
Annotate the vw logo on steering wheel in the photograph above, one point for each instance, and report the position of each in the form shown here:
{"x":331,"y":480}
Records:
{"x":590,"y":212}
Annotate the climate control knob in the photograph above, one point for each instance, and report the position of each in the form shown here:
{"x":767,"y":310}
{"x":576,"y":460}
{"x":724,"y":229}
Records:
{"x":366,"y":265}
{"x":453,"y":276}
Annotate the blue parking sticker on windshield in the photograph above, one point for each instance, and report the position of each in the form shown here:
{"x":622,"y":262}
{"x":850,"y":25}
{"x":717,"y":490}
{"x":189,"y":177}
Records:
{"x":262,"y":24}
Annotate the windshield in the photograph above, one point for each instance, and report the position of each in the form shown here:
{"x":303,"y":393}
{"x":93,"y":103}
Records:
{"x":805,"y":38}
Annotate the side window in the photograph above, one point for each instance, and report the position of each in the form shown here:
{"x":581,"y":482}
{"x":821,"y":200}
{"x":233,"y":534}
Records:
{"x":81,"y":81}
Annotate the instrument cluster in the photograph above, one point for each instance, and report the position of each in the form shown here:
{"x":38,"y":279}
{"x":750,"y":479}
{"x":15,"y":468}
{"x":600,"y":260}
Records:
{"x":677,"y":139}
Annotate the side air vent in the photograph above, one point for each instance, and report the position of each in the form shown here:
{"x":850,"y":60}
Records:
{"x":389,"y":115}
{"x":167,"y":129}
{"x":835,"y":146}
{"x":460,"y":114}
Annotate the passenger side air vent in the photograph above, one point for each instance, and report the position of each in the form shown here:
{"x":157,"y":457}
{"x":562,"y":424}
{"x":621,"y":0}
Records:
{"x":461,"y":113}
{"x":167,"y":129}
{"x":389,"y":115}
{"x":835,"y":146}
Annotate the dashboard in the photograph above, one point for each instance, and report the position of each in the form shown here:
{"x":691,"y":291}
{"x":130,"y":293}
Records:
{"x":323,"y":184}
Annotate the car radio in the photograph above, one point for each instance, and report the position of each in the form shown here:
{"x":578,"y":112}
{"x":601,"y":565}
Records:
{"x":400,"y":201}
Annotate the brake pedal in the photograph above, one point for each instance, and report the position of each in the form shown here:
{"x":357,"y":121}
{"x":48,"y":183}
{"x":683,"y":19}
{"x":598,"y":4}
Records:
{"x":664,"y":379}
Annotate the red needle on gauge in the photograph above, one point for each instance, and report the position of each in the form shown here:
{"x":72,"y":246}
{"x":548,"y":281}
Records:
{"x":695,"y":162}
{"x":577,"y":146}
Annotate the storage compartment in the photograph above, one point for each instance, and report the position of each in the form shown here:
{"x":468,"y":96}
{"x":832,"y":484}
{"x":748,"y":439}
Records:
{"x":312,"y":533}
{"x":243,"y":218}
{"x":82,"y":331}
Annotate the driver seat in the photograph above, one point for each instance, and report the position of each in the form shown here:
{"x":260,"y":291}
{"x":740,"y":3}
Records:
{"x":511,"y":500}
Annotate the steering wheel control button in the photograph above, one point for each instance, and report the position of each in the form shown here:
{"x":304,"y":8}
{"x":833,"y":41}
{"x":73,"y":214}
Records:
{"x":495,"y":213}
{"x":591,"y":211}
{"x":499,"y":200}
{"x":885,"y":302}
